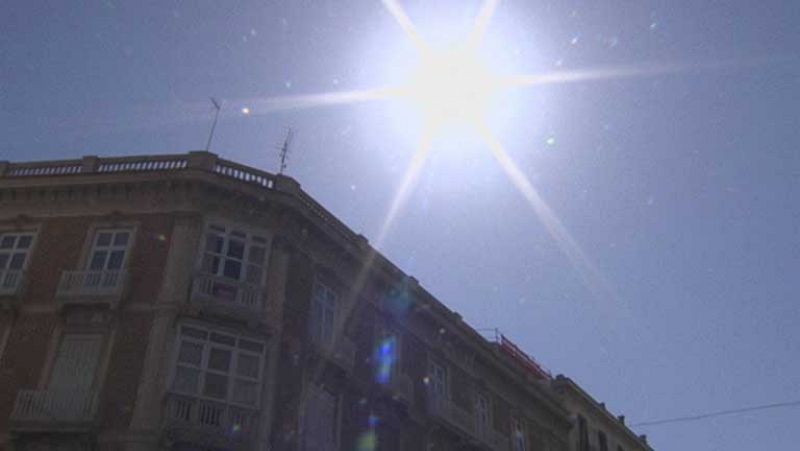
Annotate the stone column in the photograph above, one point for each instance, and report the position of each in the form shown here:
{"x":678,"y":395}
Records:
{"x":148,"y":411}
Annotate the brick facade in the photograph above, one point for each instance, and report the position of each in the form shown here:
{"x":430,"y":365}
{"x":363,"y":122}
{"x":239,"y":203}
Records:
{"x":244,"y":316}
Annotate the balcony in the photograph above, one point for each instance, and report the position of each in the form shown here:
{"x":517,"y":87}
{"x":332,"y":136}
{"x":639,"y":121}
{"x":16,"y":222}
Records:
{"x":11,"y":283}
{"x":492,"y":438}
{"x":341,"y":352}
{"x":213,"y":424}
{"x":401,"y":388}
{"x":54,"y":410}
{"x":91,"y":287}
{"x":451,"y":414}
{"x":228,"y":297}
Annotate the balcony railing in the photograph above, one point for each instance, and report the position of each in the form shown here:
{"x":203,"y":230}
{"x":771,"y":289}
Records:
{"x":92,"y":287}
{"x":451,"y":413}
{"x":11,"y":282}
{"x":175,"y":164}
{"x":341,"y":352}
{"x":45,"y":409}
{"x":228,"y":296}
{"x":208,"y":422}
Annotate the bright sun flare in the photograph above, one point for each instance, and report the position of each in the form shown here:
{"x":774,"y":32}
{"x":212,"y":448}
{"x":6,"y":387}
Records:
{"x":456,"y":86}
{"x":450,"y":86}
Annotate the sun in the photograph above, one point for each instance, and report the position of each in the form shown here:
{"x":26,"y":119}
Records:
{"x":451,"y":86}
{"x":455,"y":86}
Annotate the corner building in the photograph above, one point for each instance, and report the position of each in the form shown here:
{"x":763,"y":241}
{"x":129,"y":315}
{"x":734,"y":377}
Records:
{"x":186,"y":302}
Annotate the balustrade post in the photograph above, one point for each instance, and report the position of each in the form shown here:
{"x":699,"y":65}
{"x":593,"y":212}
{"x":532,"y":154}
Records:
{"x":89,"y":164}
{"x":202,"y":160}
{"x":3,"y":168}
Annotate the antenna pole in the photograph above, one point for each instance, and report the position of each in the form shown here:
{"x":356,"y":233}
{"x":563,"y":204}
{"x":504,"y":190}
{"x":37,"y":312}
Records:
{"x":284,"y":150}
{"x":217,"y":108}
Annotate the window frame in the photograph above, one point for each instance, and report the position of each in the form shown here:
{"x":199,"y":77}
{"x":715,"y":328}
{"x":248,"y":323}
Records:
{"x":432,"y":365}
{"x":317,"y":323}
{"x":252,"y":237}
{"x":233,"y":365}
{"x":518,"y":432}
{"x":34,"y":234}
{"x":95,"y":247}
{"x":489,"y":424}
{"x":337,"y":422}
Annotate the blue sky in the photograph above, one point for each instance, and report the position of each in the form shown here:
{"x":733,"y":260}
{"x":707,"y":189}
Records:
{"x":681,"y":188}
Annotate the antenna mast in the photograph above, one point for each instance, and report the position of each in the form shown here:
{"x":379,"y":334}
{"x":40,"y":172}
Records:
{"x":284,"y":150}
{"x":217,"y":108}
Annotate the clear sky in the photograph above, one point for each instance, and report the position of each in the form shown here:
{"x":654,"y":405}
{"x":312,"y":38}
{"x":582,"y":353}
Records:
{"x":680,"y":188}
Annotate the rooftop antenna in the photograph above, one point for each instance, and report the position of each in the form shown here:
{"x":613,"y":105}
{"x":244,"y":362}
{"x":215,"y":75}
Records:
{"x":217,"y":108}
{"x":284,"y":150}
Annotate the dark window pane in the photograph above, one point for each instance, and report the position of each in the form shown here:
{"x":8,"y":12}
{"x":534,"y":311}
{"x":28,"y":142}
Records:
{"x":232,"y":269}
{"x":236,"y":249}
{"x":247,"y":365}
{"x":115,"y":260}
{"x":7,"y":242}
{"x":17,"y":260}
{"x":121,"y":239}
{"x":219,"y":359}
{"x":3,"y":260}
{"x":24,"y":242}
{"x":103,"y":239}
{"x":214,"y":243}
{"x":98,"y":261}
{"x":186,"y":380}
{"x":216,"y":386}
{"x":191,"y":353}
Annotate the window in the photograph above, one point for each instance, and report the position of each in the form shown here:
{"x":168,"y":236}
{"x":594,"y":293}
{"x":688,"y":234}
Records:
{"x":518,"y":435}
{"x":109,"y":250}
{"x":14,"y":249}
{"x":387,"y":355}
{"x":482,"y":420}
{"x":320,"y":421}
{"x":602,"y":441}
{"x":219,"y":366}
{"x":438,"y":381}
{"x":234,"y":255}
{"x":76,"y":362}
{"x":583,"y":434}
{"x":323,"y":313}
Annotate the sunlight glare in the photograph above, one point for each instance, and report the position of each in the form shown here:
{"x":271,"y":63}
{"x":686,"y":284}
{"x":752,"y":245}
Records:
{"x":594,"y":279}
{"x":451,"y":86}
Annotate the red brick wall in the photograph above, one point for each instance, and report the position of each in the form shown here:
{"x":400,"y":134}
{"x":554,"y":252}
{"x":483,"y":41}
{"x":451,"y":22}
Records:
{"x":23,"y":359}
{"x":118,"y":395}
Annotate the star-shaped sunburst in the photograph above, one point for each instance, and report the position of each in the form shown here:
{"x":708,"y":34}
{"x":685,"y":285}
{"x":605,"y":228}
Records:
{"x":455,"y":85}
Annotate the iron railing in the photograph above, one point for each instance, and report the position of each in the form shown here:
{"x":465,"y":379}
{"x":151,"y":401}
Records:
{"x":228,"y":421}
{"x":54,"y":407}
{"x":82,"y":287}
{"x":445,"y":409}
{"x":11,"y":282}
{"x":231,"y":295}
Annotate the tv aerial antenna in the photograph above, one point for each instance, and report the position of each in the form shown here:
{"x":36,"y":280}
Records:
{"x":217,"y":107}
{"x":284,"y":150}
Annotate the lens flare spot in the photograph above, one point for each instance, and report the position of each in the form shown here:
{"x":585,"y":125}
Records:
{"x":368,"y":441}
{"x":385,"y":358}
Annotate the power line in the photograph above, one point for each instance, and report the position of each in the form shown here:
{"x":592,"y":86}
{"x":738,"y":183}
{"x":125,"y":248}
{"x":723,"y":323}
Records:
{"x":718,"y":413}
